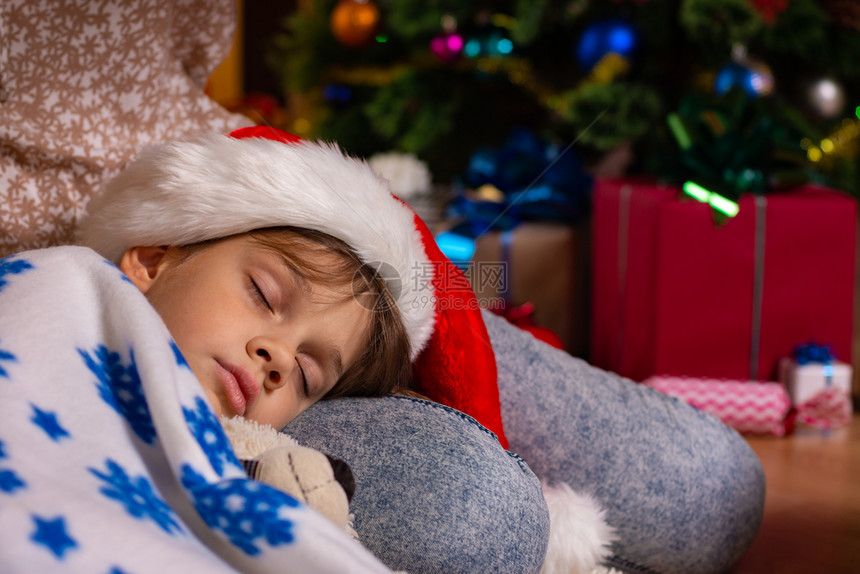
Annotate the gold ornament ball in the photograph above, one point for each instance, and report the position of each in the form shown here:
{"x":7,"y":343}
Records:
{"x":354,"y":22}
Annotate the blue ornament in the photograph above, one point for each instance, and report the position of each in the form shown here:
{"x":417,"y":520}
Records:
{"x":605,"y":36}
{"x":337,"y":93}
{"x":498,"y":44}
{"x":754,"y":78}
{"x":494,"y":42}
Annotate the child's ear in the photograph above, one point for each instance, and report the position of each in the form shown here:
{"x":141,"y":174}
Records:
{"x":142,"y":265}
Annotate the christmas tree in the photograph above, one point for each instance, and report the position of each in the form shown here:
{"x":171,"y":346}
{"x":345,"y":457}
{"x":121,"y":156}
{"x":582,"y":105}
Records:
{"x":678,"y":80}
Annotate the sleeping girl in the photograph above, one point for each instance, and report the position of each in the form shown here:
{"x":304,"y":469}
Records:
{"x":259,"y":274}
{"x":277,"y":269}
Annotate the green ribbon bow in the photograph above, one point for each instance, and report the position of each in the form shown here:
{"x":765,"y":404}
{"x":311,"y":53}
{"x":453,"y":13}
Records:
{"x":730,"y":145}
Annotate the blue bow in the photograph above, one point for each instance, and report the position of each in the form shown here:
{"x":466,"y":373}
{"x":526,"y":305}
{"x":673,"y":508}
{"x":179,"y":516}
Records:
{"x":538,"y":182}
{"x":813,"y":353}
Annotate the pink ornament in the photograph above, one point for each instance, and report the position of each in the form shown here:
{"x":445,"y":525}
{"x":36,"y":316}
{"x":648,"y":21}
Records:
{"x":447,"y":46}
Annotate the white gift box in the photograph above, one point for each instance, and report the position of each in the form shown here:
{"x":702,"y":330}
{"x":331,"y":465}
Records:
{"x":804,"y":382}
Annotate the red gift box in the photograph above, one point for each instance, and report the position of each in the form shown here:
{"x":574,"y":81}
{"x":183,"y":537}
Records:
{"x":673,"y":292}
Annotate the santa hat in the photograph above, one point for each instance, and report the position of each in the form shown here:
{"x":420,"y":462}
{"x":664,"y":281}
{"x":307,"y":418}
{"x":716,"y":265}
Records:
{"x":214,"y":186}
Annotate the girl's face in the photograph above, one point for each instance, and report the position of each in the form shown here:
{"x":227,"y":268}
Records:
{"x":264,"y":343}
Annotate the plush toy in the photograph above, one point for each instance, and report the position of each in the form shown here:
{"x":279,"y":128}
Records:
{"x":324,"y":483}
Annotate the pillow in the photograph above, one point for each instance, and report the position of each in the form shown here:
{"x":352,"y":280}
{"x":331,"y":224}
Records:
{"x":131,"y":79}
{"x":435,"y":491}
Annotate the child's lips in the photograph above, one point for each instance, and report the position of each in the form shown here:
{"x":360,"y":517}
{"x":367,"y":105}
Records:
{"x":239,"y":386}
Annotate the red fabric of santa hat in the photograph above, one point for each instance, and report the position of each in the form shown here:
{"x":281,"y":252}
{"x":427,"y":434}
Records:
{"x":213,"y":186}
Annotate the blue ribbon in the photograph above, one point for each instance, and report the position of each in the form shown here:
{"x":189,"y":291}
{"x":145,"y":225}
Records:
{"x":539,"y":183}
{"x":813,"y":353}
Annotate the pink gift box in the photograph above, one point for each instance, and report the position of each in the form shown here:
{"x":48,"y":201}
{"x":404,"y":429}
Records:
{"x":752,"y":407}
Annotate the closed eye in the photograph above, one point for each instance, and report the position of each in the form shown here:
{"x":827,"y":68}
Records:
{"x":305,"y":387}
{"x":258,"y":294}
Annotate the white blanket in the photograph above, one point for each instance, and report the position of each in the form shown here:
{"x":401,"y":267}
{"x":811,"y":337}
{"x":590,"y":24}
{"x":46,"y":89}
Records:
{"x":111,"y":460}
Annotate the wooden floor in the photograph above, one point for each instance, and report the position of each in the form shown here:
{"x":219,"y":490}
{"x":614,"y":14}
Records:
{"x":812,"y":508}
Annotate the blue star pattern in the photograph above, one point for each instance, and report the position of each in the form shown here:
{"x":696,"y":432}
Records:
{"x":119,"y":386}
{"x":136,"y":495}
{"x":243,"y":509}
{"x":122,"y":275}
{"x":180,"y":358}
{"x":9,"y":358}
{"x":9,"y":481}
{"x":210,"y":435}
{"x":10,"y":266}
{"x":48,"y":423}
{"x":51,"y":533}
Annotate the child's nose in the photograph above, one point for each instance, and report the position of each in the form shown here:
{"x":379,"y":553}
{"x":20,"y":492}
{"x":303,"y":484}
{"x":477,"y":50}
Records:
{"x":273,"y":376}
{"x":277,"y":364}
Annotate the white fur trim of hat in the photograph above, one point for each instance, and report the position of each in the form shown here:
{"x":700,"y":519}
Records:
{"x":214,"y":186}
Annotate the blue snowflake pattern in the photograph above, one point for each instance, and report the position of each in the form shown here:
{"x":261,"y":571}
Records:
{"x":245,"y":510}
{"x":11,"y":266}
{"x":9,"y":358}
{"x":210,"y":435}
{"x":119,"y":386}
{"x":51,"y":533}
{"x":9,"y":481}
{"x":136,"y":495}
{"x":48,"y":422}
{"x":122,"y":275}
{"x":180,"y":358}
